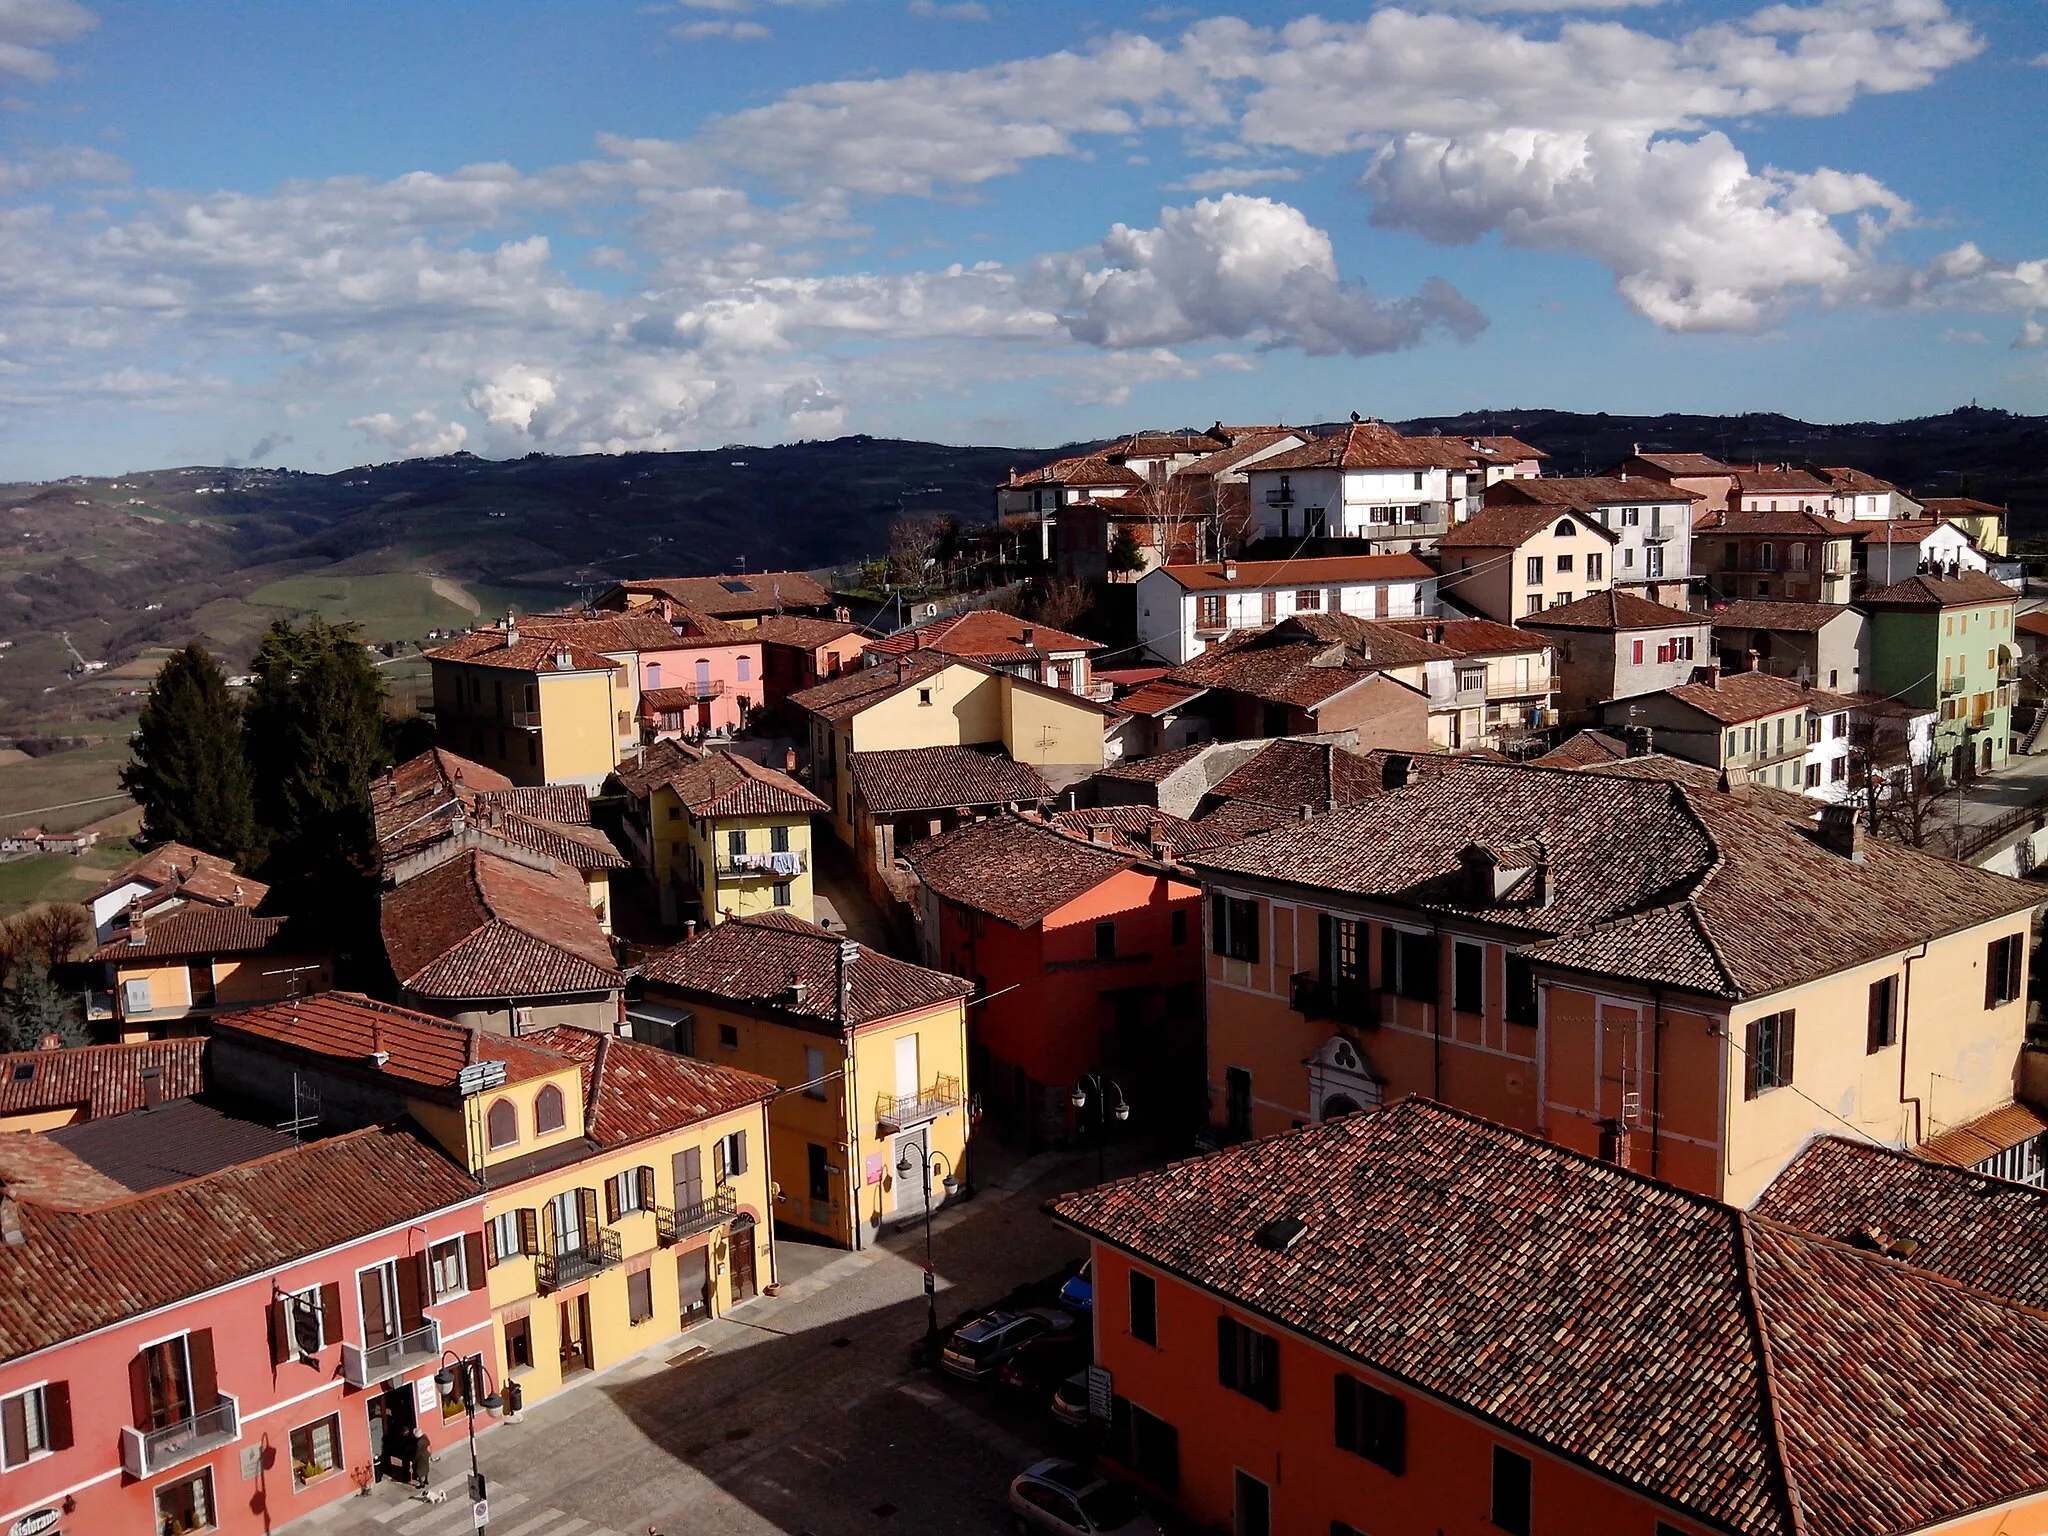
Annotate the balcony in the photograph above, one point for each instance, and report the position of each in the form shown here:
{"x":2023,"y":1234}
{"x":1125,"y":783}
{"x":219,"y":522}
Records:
{"x":758,"y":866}
{"x":716,"y":1209}
{"x":1952,"y":687}
{"x":554,"y":1268}
{"x":896,"y":1111}
{"x":364,"y":1365}
{"x":146,"y":1452}
{"x":1280,"y":498}
{"x":525,"y":719}
{"x":1309,"y":995}
{"x":1533,"y":688}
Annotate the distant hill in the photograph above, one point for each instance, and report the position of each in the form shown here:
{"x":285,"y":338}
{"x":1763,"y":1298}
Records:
{"x":130,"y":565}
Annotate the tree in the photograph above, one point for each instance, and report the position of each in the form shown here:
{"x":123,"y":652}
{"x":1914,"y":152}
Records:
{"x":35,"y":1007}
{"x":1123,"y":550}
{"x":190,"y":774}
{"x":1181,"y":520}
{"x":52,"y":933}
{"x":912,"y":536}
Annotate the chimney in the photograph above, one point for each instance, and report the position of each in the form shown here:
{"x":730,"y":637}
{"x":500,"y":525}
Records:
{"x":1098,"y":834}
{"x":136,"y":937}
{"x":1840,"y":832}
{"x":11,"y":1232}
{"x":1638,"y":738}
{"x":564,"y":660}
{"x":798,"y":991}
{"x":380,"y":1059}
{"x":511,"y":629}
{"x":152,"y":1086}
{"x":1756,"y":662}
{"x":1029,"y":633}
{"x":689,"y":929}
{"x":1229,"y":570}
{"x":1710,"y":674}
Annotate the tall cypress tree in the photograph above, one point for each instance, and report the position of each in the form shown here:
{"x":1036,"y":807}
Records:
{"x":189,"y":772}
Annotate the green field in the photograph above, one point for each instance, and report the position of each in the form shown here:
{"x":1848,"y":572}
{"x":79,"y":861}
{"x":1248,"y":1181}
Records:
{"x":29,"y":790}
{"x":59,"y":876}
{"x":389,"y":606}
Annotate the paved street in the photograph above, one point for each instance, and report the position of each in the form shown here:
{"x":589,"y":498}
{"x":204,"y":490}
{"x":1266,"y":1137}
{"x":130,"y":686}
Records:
{"x":802,"y":1414}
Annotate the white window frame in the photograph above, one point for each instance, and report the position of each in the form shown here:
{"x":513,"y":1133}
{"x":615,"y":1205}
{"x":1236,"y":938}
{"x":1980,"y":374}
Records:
{"x":503,"y":1222}
{"x":191,"y":1474}
{"x":308,"y":1300}
{"x":39,"y":1416}
{"x":434,"y":1262}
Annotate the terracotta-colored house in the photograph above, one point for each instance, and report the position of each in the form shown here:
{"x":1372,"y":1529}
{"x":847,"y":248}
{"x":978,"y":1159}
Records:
{"x":1688,"y":981}
{"x":1418,"y":1322}
{"x":703,"y":674}
{"x":1089,"y":958}
{"x":1319,"y":673}
{"x":799,"y":653}
{"x":742,"y":599}
{"x":1036,"y":652}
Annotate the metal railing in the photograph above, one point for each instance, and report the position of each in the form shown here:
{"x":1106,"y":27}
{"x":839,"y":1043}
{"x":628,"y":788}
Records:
{"x":728,"y":864}
{"x":554,"y":1268}
{"x":715,"y":1209}
{"x":901,"y":1109}
{"x":1280,"y":498}
{"x":1313,"y":997}
{"x":1535,"y":687}
{"x":1951,"y":687}
{"x":364,"y":1365}
{"x":526,"y":719}
{"x":146,"y":1452}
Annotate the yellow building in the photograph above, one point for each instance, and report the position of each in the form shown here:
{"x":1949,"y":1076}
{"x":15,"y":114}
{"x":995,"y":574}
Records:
{"x":929,"y":700}
{"x":537,"y":709}
{"x":628,"y":1189}
{"x":871,"y":1053}
{"x":719,"y":835}
{"x":180,"y":961}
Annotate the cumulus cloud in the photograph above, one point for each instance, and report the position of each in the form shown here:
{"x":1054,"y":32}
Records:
{"x":2032,"y":334}
{"x":28,"y":28}
{"x":419,"y":436}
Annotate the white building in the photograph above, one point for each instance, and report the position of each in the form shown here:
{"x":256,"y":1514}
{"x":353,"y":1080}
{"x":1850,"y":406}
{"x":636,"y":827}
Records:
{"x":1366,"y":482}
{"x":1650,"y":519}
{"x":1183,"y":610}
{"x":1894,"y":551}
{"x":1861,"y":497}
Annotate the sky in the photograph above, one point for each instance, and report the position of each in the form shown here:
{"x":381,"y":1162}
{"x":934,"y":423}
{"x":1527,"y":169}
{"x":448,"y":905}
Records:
{"x":316,"y":236}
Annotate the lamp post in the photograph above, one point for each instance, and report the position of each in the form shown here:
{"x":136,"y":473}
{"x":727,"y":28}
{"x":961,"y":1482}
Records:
{"x":931,"y":1287}
{"x":1094,"y":1085}
{"x":491,"y":1402}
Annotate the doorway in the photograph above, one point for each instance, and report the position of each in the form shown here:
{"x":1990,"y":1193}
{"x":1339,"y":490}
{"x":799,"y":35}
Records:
{"x":394,"y":1420}
{"x":575,"y":1319}
{"x":693,"y":1283}
{"x":906,"y":1190}
{"x":740,"y":1254}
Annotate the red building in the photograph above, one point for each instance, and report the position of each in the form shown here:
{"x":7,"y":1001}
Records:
{"x":1088,"y":958}
{"x":232,"y":1351}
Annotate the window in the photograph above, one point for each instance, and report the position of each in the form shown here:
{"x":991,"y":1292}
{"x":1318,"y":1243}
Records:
{"x":1564,"y":563}
{"x":1801,"y":556}
{"x":736,"y":841}
{"x":1155,"y":1449}
{"x":746,"y":668}
{"x":629,"y":1191}
{"x":1105,"y":941}
{"x":35,"y":1423}
{"x":1252,"y":1513}
{"x":1177,"y":923}
{"x":1144,"y":1308}
{"x":1308,"y":600}
{"x":1730,"y":748}
{"x":2003,"y":960}
{"x":1520,"y":1002}
{"x":821,"y":1173}
{"x":778,"y":839}
{"x":1235,"y":921}
{"x":1532,"y":571}
{"x":1766,"y":557}
{"x":186,"y":1505}
{"x":1209,"y":611}
{"x":1769,"y":1052}
{"x":1534,"y":604}
{"x":501,"y":1124}
{"x":1248,"y":1361}
{"x":1628,"y":558}
{"x":316,"y":1450}
{"x":1372,"y":1424}
{"x":782,"y":893}
{"x":445,"y":1270}
{"x":518,"y":1344}
{"x":508,"y":1235}
{"x":1468,"y":972}
{"x":1594,"y":566}
{"x":1419,"y":481}
{"x":1237,"y":1101}
{"x":1340,"y":955}
{"x":1838,"y":771}
{"x":548,"y":1114}
{"x":814,"y":1072}
{"x":1884,"y":1014}
{"x":1813,"y":775}
{"x":731,"y":1155}
{"x":1653,"y":559}
{"x":1560,"y":599}
{"x":728,"y":1037}
{"x":1408,"y":964}
{"x":1510,"y":1491}
{"x":639,"y":1296}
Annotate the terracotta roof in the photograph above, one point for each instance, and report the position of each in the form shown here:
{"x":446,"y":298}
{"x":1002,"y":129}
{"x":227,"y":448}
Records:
{"x":38,"y":1171}
{"x":652,"y":765}
{"x":986,"y":634}
{"x":183,"y":1139}
{"x":1847,"y":480}
{"x":166,"y":864}
{"x":843,"y":697}
{"x":1964,"y":590}
{"x":2034,"y":623}
{"x":759,"y":959}
{"x":1500,"y":526}
{"x":1957,"y":506}
{"x":483,"y":926}
{"x":757,"y":592}
{"x":1783,"y":525}
{"x":1370,"y":445}
{"x":1690,"y":465}
{"x":425,"y":1053}
{"x":528,"y":653}
{"x":79,"y":1271}
{"x":1158,"y":698}
{"x":1157,"y":768}
{"x":1759,"y":1378}
{"x":1741,"y":696}
{"x":942,"y":778}
{"x":1471,"y":637}
{"x":1150,"y":445}
{"x":101,"y":1079}
{"x":438,"y":795}
{"x":1975,"y":1141}
{"x":1142,"y":829}
{"x":1308,"y":659}
{"x":1586,"y":492}
{"x":804,"y":634}
{"x":1759,"y":613}
{"x":1905,"y":530}
{"x":636,"y":631}
{"x":1289,"y":774}
{"x":1988,"y":1233}
{"x":1242,"y":447}
{"x":194,"y":930}
{"x":1615,"y":609}
{"x":1583,"y":750}
{"x":1088,"y":469}
{"x":727,"y":784}
{"x":632,"y":1091}
{"x":1725,"y":894}
{"x":1333,"y":570}
{"x":1762,"y":479}
{"x":1506,"y":447}
{"x":1013,"y":867}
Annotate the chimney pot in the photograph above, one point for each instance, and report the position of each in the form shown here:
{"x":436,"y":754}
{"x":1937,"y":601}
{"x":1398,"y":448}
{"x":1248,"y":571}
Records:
{"x":1756,"y":661}
{"x":689,"y":929}
{"x":1841,"y":831}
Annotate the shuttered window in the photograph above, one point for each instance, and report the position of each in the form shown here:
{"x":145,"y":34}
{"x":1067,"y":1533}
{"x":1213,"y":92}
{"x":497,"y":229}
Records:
{"x":1144,"y":1308}
{"x":640,"y":1296}
{"x":1248,"y":1361}
{"x":1372,"y":1424}
{"x":34,"y":1423}
{"x":2003,"y":960}
{"x":1768,"y":1049}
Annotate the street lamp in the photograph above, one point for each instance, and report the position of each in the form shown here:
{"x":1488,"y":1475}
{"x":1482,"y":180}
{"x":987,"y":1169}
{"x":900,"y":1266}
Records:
{"x":1095,"y":1085}
{"x":491,"y":1402}
{"x":904,"y":1166}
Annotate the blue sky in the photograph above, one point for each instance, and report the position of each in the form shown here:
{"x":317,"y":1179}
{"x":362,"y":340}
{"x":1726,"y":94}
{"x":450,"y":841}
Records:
{"x":320,"y":235}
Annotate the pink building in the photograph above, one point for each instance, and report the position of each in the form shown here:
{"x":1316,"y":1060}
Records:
{"x":233,"y":1351}
{"x":707,"y":672}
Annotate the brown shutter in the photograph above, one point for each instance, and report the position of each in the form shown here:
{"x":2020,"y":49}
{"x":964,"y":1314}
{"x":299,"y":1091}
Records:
{"x":330,"y":1315}
{"x":472,"y":1259}
{"x":529,"y":1234}
{"x":611,"y":1202}
{"x":491,"y":1255}
{"x":57,"y":1415}
{"x":688,"y":1168}
{"x":586,"y":1208}
{"x":1994,"y":968}
{"x":376,"y":1325}
{"x":14,"y":1429}
{"x":205,"y":1385}
{"x":739,"y":1142}
{"x":138,"y":1390}
{"x":646,"y":1178}
{"x":280,"y":1332}
{"x":1785,"y":1057}
{"x":412,"y":1286}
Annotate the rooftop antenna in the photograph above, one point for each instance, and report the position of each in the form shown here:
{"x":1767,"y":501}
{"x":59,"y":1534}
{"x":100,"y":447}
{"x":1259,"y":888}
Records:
{"x":305,"y":1109}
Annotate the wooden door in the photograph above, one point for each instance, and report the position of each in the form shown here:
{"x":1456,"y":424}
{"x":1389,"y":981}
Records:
{"x":688,"y":1166}
{"x":741,"y":1257}
{"x":693,"y":1284}
{"x":378,"y":1324}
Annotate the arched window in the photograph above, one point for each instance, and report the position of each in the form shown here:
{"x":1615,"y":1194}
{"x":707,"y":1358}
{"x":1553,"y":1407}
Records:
{"x":1564,"y":529}
{"x":547,"y":1110}
{"x":654,"y":674}
{"x":501,"y":1125}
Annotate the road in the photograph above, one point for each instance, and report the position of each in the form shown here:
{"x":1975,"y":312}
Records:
{"x":803,"y":1414}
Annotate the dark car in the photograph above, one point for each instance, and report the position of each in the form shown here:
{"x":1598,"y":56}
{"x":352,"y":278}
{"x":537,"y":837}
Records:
{"x":978,"y":1350}
{"x":1041,"y":1365}
{"x":1070,"y":1401}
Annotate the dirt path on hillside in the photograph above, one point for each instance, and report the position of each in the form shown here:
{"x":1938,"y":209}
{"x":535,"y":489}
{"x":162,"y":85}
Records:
{"x":457,"y":594}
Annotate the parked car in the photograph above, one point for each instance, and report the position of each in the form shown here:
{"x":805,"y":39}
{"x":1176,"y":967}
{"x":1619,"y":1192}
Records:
{"x":1056,"y":1495}
{"x":1078,"y":1294}
{"x":1042,"y":1364}
{"x":1070,"y":1401}
{"x":977,"y":1351}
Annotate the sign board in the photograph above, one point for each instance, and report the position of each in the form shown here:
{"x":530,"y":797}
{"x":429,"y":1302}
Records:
{"x":482,"y":1512}
{"x":428,"y":1394}
{"x":252,"y":1463}
{"x":1101,"y":1397}
{"x":37,"y":1522}
{"x":931,"y":1283}
{"x":874,"y":1168}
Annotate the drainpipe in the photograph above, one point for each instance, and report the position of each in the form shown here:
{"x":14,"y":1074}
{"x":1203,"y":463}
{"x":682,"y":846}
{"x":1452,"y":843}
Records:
{"x":1905,"y":1015}
{"x":1656,"y":1073}
{"x":1436,"y":1016}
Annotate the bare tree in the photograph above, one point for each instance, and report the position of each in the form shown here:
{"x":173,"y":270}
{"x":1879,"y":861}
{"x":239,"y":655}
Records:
{"x":1058,"y":604}
{"x":911,"y":538}
{"x":52,"y":933}
{"x":1179,"y":521}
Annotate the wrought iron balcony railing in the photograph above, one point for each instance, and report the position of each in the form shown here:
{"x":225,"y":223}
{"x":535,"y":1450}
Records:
{"x":1309,"y":995}
{"x":715,"y":1209}
{"x":901,"y":1109}
{"x":554,"y":1268}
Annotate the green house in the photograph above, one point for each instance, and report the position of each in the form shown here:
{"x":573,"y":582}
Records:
{"x":1946,"y":644}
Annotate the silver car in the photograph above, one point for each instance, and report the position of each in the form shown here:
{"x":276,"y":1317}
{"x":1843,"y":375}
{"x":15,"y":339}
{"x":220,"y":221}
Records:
{"x":1058,"y":1496}
{"x":977,"y":1351}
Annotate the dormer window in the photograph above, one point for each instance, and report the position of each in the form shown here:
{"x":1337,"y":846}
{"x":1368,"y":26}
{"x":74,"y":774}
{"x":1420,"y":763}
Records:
{"x":548,"y":1114}
{"x":1564,"y":529}
{"x":501,"y":1125}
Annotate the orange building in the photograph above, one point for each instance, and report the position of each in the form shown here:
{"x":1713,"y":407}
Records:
{"x":1418,"y":1323}
{"x":1689,"y":981}
{"x":1088,"y":956}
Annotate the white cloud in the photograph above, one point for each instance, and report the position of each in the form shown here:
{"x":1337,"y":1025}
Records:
{"x":28,"y":28}
{"x":513,"y":397}
{"x":2032,"y":334}
{"x":418,"y":436}
{"x":732,"y":31}
{"x":1227,"y":177}
{"x":962,"y":10}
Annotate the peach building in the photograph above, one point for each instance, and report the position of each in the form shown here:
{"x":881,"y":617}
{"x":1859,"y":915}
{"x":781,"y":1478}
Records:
{"x":1686,"y":981}
{"x":1418,"y":1322}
